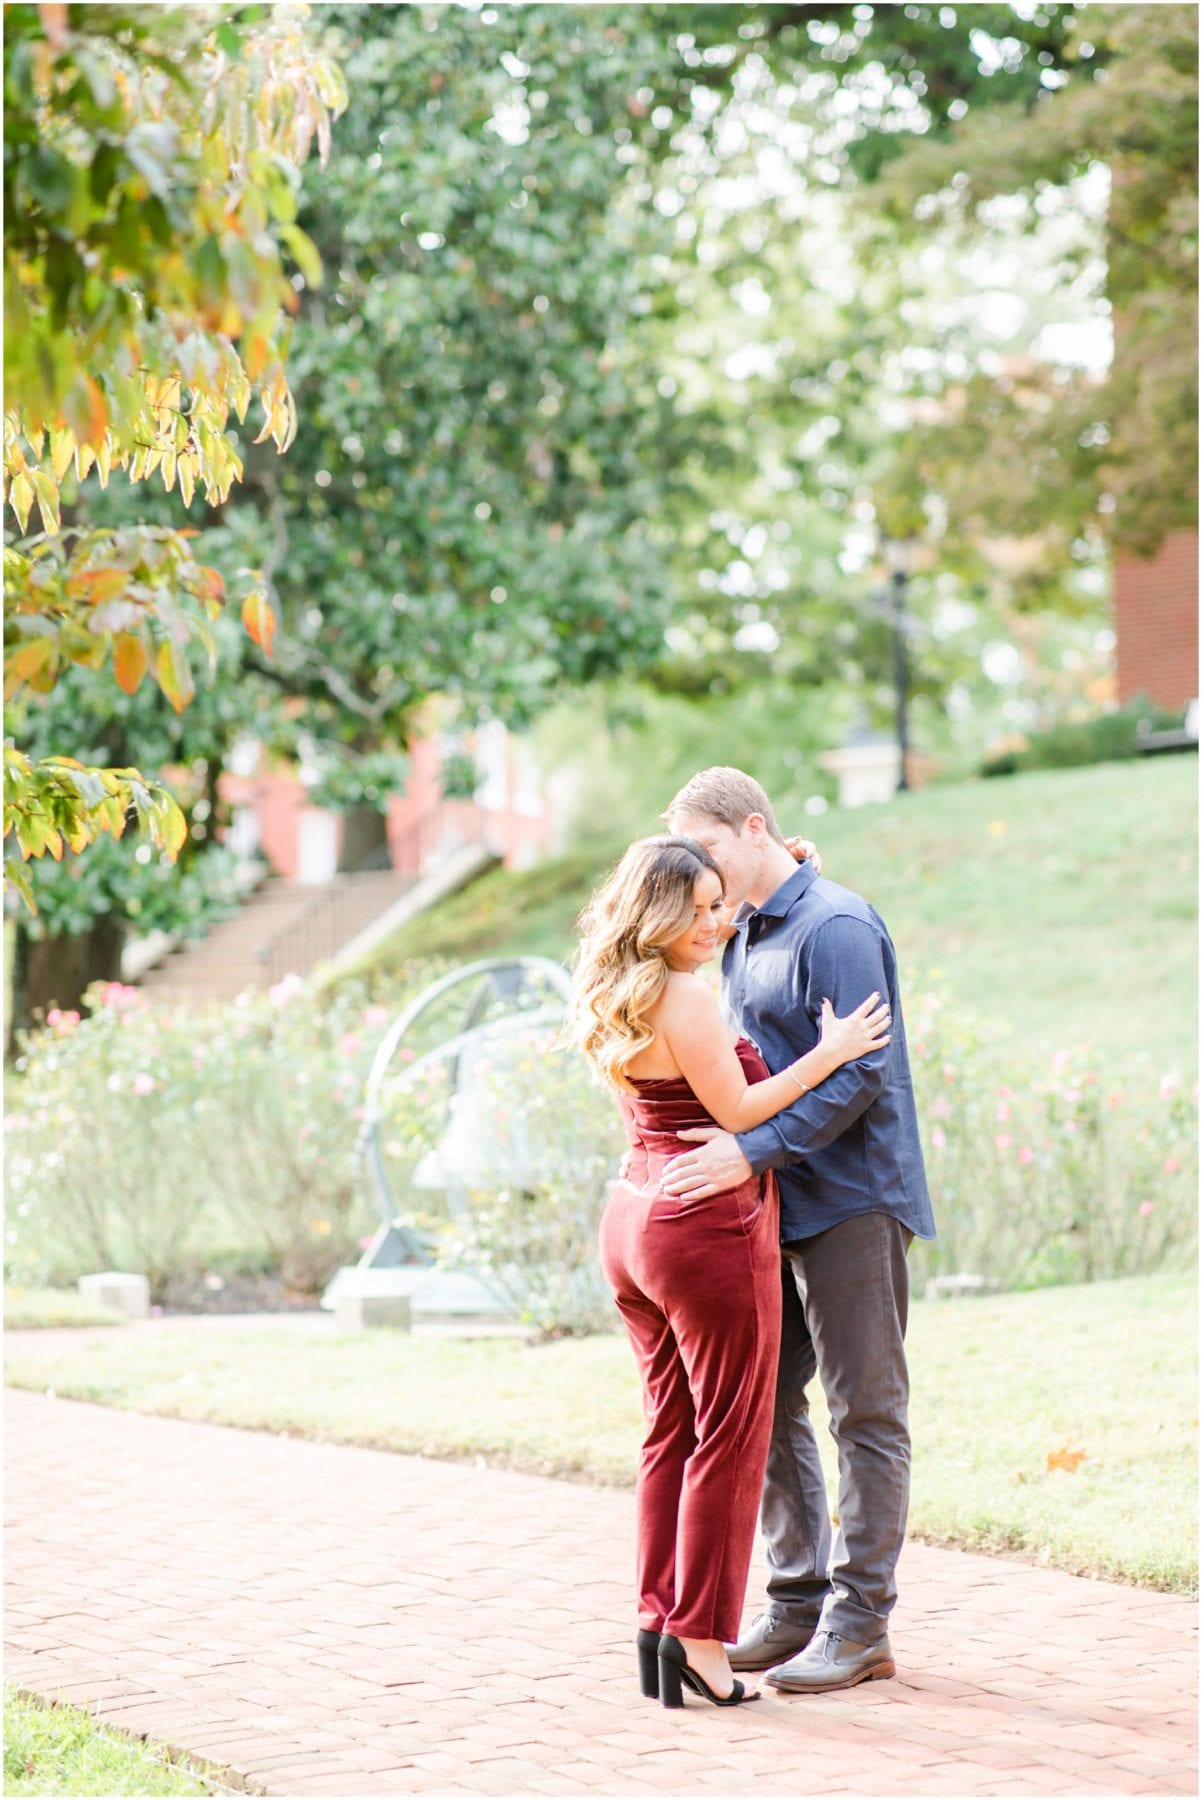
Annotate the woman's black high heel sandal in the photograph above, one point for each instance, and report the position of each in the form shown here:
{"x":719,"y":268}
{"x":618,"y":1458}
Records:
{"x":674,"y":1672}
{"x":648,"y":1648}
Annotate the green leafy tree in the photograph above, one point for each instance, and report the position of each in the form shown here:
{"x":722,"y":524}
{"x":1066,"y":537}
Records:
{"x":479,"y":504}
{"x":1126,"y":100}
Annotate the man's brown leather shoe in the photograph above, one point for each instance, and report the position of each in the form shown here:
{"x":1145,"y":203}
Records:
{"x":767,"y":1642}
{"x":833,"y":1662}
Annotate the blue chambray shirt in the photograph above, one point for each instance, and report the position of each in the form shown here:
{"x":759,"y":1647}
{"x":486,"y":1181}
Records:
{"x":851,"y":1145}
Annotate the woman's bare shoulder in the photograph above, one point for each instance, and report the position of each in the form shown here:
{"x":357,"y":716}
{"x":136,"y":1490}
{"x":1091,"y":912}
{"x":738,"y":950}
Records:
{"x":686,"y":998}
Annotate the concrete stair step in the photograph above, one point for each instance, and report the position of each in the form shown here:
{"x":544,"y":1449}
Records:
{"x":296,"y":926}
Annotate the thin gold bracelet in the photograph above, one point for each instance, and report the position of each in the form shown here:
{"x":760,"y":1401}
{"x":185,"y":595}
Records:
{"x":796,"y":1078}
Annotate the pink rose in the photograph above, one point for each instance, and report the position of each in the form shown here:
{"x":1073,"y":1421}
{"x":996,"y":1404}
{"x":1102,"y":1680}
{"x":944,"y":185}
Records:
{"x":1061,"y":1061}
{"x":1168,"y":1085}
{"x":348,"y":1044}
{"x":1146,"y":1209}
{"x":285,"y":990}
{"x":1026,"y":1155}
{"x":1172,"y":1164}
{"x":143,"y":1083}
{"x":938,"y":1138}
{"x":119,"y":998}
{"x":1003,"y":1112}
{"x":1002,"y":1142}
{"x":376,"y":1017}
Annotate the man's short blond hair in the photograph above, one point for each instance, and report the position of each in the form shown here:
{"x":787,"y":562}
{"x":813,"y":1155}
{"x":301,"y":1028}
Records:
{"x":726,"y":796}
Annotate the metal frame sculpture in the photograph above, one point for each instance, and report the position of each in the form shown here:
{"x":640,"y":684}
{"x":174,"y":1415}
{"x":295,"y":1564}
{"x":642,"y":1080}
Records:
{"x":495,"y":979}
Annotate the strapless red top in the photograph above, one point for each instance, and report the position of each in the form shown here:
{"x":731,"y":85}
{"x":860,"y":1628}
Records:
{"x":661,"y":1109}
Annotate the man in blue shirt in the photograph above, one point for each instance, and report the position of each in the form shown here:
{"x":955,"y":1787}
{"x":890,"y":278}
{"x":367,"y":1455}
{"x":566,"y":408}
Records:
{"x":853,"y":1195}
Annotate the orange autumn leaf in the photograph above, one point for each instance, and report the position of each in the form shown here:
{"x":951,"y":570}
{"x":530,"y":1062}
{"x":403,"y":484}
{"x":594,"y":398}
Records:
{"x":131,"y":659}
{"x":211,"y":584}
{"x":259,"y":621}
{"x":1066,"y":1459}
{"x":96,"y":585}
{"x":84,"y":411}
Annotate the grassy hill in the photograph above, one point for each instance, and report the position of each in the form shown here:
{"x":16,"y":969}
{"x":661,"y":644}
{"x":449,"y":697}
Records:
{"x":1063,"y":901}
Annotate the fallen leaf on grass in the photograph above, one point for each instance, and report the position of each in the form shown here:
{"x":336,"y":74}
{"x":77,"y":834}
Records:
{"x":1066,"y":1459}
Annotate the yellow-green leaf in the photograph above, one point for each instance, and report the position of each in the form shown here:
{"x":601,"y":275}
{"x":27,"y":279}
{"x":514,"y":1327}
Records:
{"x":21,"y":497}
{"x":304,"y":253}
{"x":47,"y":494}
{"x":174,"y":674}
{"x":172,"y":827}
{"x":62,"y":449}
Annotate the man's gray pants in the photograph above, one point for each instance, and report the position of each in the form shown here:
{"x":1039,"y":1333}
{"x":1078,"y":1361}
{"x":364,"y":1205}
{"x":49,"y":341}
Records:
{"x":846,"y":1297}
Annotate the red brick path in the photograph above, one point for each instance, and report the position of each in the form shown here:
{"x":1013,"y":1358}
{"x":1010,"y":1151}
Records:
{"x":348,"y":1622}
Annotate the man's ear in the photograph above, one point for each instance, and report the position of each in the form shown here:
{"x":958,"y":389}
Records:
{"x":756,"y":824}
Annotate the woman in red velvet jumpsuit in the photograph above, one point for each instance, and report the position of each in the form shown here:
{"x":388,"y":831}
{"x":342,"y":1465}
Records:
{"x":697,"y":1282}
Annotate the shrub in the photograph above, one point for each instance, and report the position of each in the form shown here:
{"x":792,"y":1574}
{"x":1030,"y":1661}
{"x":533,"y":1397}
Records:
{"x":1040,"y":1172}
{"x":1110,"y":737}
{"x":1048,"y":1172}
{"x":146,"y":1138}
{"x":163,"y":1140}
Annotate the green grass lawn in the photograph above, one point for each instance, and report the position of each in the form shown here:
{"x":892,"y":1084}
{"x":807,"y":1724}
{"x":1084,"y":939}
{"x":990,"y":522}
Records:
{"x":1000,"y":1386}
{"x":61,"y":1750}
{"x":33,"y":1309}
{"x":1063,"y":901}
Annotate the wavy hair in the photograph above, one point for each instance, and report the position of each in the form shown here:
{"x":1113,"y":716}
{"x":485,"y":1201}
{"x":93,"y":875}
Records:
{"x":620,"y":967}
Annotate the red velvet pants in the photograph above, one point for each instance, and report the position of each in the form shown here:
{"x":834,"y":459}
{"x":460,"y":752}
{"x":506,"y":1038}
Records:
{"x":698,"y":1285}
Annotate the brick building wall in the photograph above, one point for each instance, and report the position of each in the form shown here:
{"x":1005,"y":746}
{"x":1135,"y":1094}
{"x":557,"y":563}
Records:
{"x":300,"y":841}
{"x":1156,"y":622}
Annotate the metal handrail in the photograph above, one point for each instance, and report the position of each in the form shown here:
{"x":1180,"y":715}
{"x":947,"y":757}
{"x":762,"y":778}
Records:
{"x":294,"y":942}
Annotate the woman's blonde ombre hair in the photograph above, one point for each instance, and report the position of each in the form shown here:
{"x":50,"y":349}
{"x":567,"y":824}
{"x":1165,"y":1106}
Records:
{"x":620,"y":968}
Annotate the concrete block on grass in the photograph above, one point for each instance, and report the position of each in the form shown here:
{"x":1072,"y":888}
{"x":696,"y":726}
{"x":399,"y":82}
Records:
{"x":370,"y":1312}
{"x":128,"y":1294}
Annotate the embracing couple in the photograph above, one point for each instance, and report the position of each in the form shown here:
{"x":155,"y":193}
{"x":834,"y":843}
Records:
{"x":773,"y":1251}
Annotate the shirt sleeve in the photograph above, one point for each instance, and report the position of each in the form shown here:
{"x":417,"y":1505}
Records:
{"x":846,"y":964}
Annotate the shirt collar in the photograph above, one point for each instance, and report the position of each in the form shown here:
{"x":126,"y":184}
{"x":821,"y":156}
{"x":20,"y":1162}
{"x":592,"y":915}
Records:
{"x":777,"y":905}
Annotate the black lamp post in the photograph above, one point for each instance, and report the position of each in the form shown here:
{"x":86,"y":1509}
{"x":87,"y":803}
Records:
{"x":901,"y":557}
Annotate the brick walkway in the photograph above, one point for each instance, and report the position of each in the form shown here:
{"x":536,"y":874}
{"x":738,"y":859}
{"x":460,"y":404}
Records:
{"x":337,"y":1621}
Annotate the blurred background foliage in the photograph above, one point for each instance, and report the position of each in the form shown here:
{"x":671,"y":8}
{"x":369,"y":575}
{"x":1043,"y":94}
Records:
{"x":639,"y":325}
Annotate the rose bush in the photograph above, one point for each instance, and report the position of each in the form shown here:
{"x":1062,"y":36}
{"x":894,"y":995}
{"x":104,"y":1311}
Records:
{"x":168,"y":1139}
{"x":159,"y":1138}
{"x":1048,"y":1169}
